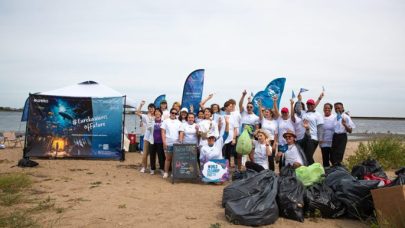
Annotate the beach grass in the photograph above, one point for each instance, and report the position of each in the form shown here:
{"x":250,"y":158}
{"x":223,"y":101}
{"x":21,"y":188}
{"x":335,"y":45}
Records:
{"x":389,"y":151}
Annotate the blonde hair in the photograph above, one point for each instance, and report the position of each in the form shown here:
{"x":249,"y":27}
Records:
{"x":261,"y":131}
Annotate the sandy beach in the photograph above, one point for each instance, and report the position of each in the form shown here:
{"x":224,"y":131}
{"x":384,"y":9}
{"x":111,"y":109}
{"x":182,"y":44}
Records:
{"x":94,"y":193}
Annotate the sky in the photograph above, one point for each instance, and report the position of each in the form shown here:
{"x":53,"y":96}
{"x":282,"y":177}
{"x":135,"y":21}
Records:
{"x":355,"y":49}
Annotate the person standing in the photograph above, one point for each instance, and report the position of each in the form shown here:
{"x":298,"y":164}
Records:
{"x":343,"y":125}
{"x":147,"y":120}
{"x":315,"y":121}
{"x":228,"y":149}
{"x":269,"y":124}
{"x":165,"y":111}
{"x":329,"y":120}
{"x":157,"y":146}
{"x":248,"y":116}
{"x":170,"y":135}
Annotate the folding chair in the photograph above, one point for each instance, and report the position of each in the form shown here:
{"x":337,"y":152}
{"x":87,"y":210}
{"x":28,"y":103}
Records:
{"x":10,"y":138}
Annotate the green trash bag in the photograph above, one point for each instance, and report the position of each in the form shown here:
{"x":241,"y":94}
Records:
{"x":244,"y":145}
{"x":310,"y":175}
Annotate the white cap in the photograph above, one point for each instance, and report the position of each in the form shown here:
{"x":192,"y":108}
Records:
{"x":184,"y":110}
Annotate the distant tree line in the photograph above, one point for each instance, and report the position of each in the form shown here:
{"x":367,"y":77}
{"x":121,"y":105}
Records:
{"x":8,"y":109}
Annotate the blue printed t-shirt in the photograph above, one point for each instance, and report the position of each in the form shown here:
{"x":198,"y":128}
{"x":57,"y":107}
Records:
{"x":157,"y":132}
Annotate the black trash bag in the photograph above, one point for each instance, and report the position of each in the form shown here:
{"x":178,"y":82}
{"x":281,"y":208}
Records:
{"x":257,"y":209}
{"x":248,"y":186}
{"x":290,"y":198}
{"x":400,"y":179}
{"x":26,"y":162}
{"x":287,"y":171}
{"x":356,"y":196}
{"x":370,"y":166}
{"x":335,"y":174}
{"x":239,"y":175}
{"x":321,"y":197}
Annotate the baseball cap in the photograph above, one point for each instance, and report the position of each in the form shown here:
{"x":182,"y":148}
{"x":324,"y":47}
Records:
{"x":184,"y":110}
{"x":311,"y":102}
{"x":284,"y":110}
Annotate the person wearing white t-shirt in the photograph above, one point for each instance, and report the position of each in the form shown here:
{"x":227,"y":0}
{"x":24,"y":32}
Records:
{"x":248,"y":116}
{"x":170,"y":135}
{"x":213,"y":148}
{"x":228,"y":149}
{"x":269,"y":124}
{"x":148,"y":121}
{"x":189,"y":131}
{"x":329,"y":121}
{"x":260,"y":153}
{"x":343,"y":125}
{"x":206,"y":126}
{"x":315,"y":121}
{"x":294,"y":156}
{"x":165,"y":111}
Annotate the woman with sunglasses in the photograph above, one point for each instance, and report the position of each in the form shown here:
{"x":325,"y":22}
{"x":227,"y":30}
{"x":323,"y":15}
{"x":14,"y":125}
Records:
{"x":248,"y":117}
{"x":147,"y":120}
{"x":170,"y":135}
{"x":294,"y":156}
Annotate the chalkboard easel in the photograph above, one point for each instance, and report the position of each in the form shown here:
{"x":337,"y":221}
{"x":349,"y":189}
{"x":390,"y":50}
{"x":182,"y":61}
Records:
{"x":184,"y":162}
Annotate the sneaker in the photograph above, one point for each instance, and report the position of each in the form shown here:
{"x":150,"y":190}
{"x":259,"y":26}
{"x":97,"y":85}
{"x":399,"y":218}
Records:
{"x":165,"y":175}
{"x":162,"y":172}
{"x":152,"y":172}
{"x":142,"y":170}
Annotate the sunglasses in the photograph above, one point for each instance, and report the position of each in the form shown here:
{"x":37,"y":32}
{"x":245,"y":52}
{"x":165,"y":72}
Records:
{"x":174,"y":113}
{"x":249,"y":106}
{"x":289,"y":137}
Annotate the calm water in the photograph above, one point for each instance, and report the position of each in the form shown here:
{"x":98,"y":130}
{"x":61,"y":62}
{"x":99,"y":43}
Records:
{"x":10,"y":121}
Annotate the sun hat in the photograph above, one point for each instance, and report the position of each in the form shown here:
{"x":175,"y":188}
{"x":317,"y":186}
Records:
{"x":289,"y":132}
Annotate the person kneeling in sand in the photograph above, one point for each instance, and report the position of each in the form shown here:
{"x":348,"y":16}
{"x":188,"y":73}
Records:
{"x":294,"y":155}
{"x":260,"y":153}
{"x":213,"y":149}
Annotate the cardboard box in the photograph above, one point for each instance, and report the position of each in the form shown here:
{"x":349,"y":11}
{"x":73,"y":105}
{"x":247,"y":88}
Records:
{"x":389,"y":205}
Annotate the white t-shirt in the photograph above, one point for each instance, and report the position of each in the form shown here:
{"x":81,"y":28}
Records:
{"x":339,"y":128}
{"x":211,"y":152}
{"x":208,"y":126}
{"x":260,"y":154}
{"x":165,"y":114}
{"x":237,"y":118}
{"x":292,"y":155}
{"x":148,"y":122}
{"x":232,"y":126}
{"x":190,"y":133}
{"x":172,"y":128}
{"x":270,"y":126}
{"x":250,"y":119}
{"x":299,"y":128}
{"x":328,"y":128}
{"x":283,"y":127}
{"x":314,"y":119}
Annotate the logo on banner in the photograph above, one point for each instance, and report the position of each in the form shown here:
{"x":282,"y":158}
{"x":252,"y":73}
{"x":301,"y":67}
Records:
{"x":215,"y":171}
{"x":41,"y":100}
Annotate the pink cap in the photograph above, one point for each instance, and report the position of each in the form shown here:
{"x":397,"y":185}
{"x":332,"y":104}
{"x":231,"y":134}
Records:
{"x":311,"y":102}
{"x":284,"y":110}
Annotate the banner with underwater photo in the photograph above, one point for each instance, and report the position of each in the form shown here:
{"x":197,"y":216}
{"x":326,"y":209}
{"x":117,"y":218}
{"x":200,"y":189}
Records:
{"x":74,"y":127}
{"x":192,"y":90}
{"x":274,"y":88}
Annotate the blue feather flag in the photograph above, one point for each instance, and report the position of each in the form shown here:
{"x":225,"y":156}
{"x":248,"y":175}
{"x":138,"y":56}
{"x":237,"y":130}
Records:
{"x":274,"y":88}
{"x":193,"y":89}
{"x":159,"y":99}
{"x":293,"y":94}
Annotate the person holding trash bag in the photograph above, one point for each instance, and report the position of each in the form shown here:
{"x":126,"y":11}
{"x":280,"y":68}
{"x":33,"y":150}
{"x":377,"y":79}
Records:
{"x":260,"y":152}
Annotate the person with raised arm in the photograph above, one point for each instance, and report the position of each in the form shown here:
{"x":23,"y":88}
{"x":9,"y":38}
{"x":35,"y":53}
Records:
{"x":207,"y":125}
{"x":298,"y":123}
{"x":285,"y":124}
{"x":228,"y":149}
{"x":170,"y":135}
{"x":248,"y":116}
{"x":148,"y":121}
{"x":157,"y":146}
{"x":269,"y":124}
{"x":203,"y":101}
{"x":343,"y":125}
{"x":213,"y":148}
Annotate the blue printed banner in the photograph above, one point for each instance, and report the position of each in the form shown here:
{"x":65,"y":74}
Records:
{"x":215,"y":170}
{"x":193,"y":89}
{"x":274,"y":88}
{"x":159,"y":99}
{"x":75,"y":127}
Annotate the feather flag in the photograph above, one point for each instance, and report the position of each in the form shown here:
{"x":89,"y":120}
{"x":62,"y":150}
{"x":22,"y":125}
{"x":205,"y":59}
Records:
{"x":192,"y":90}
{"x":159,"y":99}
{"x":293,"y":94}
{"x":274,"y":88}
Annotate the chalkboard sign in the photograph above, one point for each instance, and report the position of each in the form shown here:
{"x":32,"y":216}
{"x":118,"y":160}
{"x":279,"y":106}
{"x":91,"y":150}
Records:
{"x":184,"y":162}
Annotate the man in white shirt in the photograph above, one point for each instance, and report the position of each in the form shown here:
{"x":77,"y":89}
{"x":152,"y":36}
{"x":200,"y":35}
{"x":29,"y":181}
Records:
{"x":343,"y":125}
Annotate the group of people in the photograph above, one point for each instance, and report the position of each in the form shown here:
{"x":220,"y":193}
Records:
{"x":287,"y":137}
